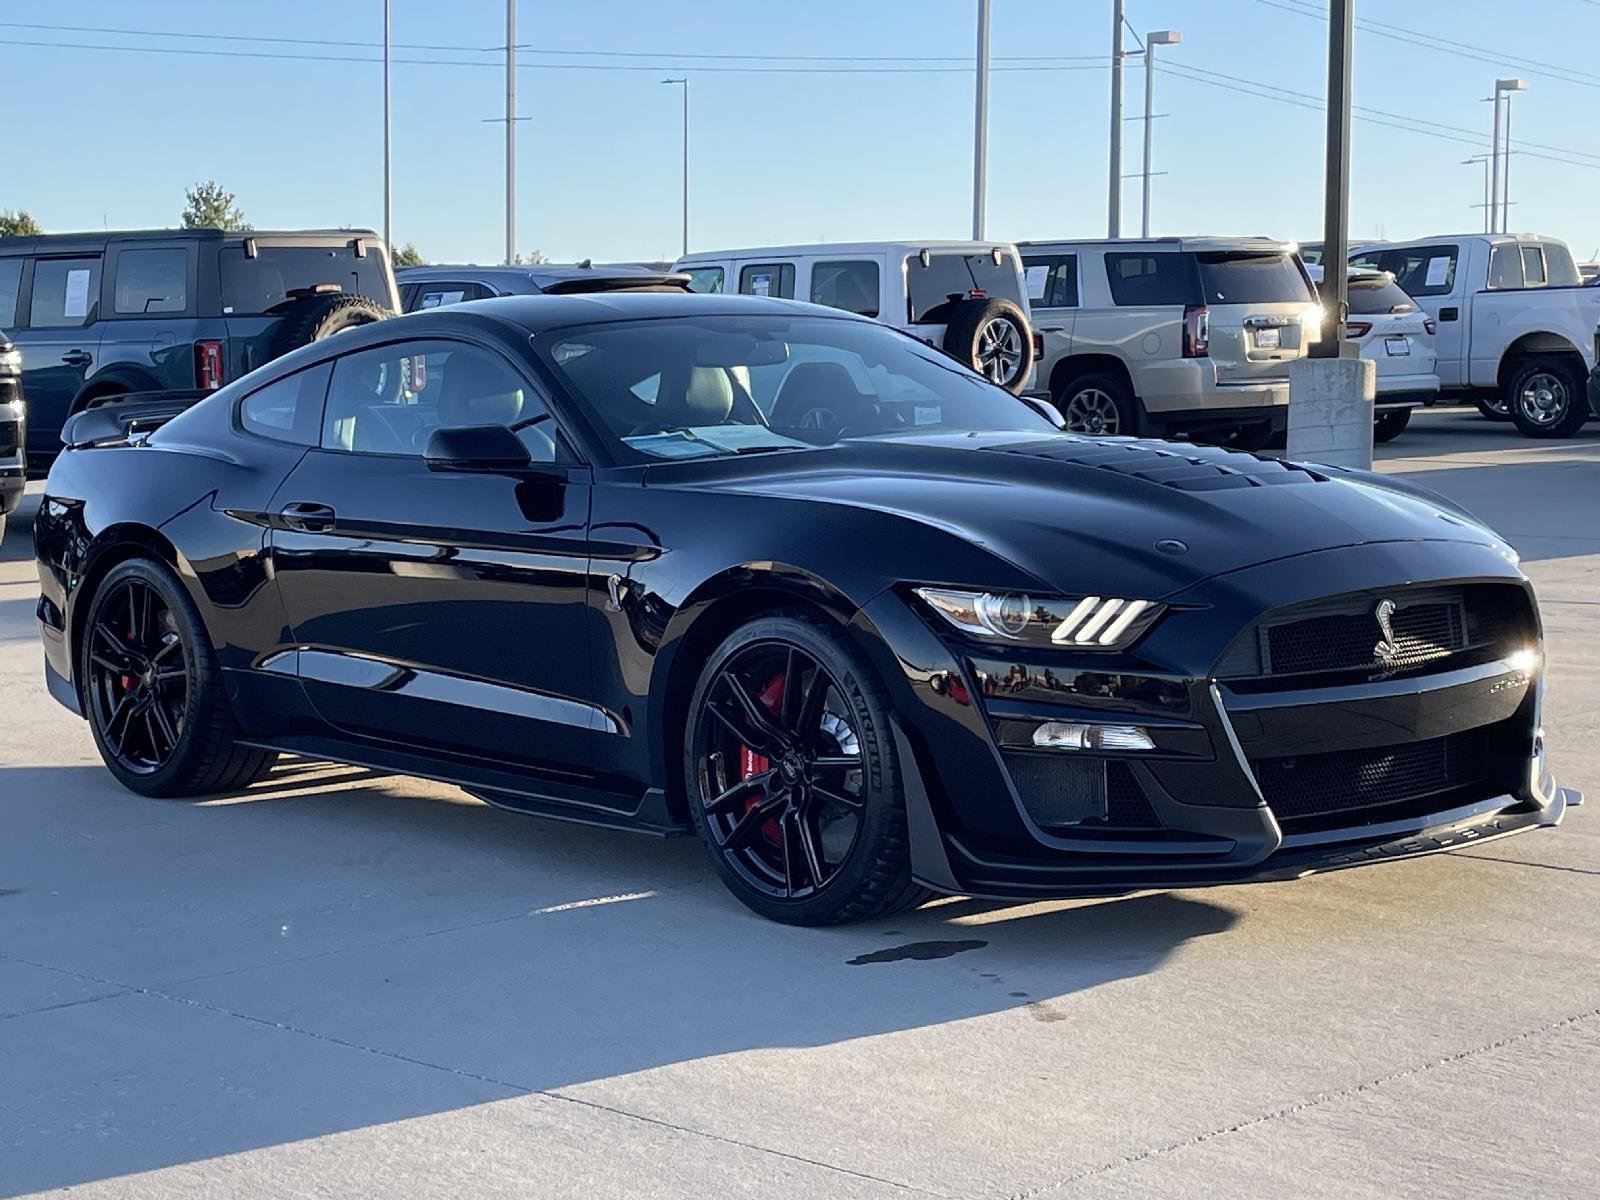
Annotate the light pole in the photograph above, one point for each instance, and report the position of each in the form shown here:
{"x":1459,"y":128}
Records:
{"x":1501,"y":86}
{"x":1336,"y":200}
{"x":684,"y":83}
{"x":1482,"y":159}
{"x":511,"y":131}
{"x":1161,"y":37}
{"x":1114,"y":196}
{"x":1505,"y":184}
{"x":980,"y":117}
{"x":388,"y":146}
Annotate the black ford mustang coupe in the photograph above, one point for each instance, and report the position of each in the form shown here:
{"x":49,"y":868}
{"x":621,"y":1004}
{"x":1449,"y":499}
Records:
{"x":865,"y":623}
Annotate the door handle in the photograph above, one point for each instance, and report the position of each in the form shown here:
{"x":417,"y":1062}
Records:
{"x":309,"y":518}
{"x":1449,"y":314}
{"x":77,"y":358}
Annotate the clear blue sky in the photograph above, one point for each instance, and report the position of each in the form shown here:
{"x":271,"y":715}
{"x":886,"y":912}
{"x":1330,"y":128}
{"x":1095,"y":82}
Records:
{"x":104,"y":136}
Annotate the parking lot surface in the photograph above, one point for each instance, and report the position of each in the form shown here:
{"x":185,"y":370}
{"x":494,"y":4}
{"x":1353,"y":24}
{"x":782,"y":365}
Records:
{"x":344,"y":984}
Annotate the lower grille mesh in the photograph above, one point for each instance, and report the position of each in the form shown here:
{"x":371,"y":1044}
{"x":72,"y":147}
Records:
{"x":1316,"y":785}
{"x":1083,"y":793}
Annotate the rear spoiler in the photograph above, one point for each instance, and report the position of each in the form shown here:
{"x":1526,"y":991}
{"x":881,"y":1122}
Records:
{"x":111,"y":420}
{"x":617,"y":283}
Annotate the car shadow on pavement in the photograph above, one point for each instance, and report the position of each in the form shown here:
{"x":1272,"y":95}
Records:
{"x":332,"y":951}
{"x":1514,"y":499}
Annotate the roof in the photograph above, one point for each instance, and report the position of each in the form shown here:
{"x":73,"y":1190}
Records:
{"x":46,"y":241}
{"x":538,"y":313}
{"x":541,"y":275}
{"x":1195,"y":245}
{"x":838,"y":249}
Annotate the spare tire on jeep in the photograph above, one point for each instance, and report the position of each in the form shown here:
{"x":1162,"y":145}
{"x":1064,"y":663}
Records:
{"x":992,"y":337}
{"x":312,"y":318}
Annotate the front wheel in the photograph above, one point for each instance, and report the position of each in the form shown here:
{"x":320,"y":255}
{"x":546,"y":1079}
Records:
{"x":792,"y":777}
{"x":1547,"y":399}
{"x":154,"y":693}
{"x":1492,"y":408}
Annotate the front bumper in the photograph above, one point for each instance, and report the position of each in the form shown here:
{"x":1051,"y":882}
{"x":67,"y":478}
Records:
{"x":1224,"y":793}
{"x":13,"y":440}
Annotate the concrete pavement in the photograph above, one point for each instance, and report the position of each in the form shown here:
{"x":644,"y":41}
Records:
{"x":341,"y":984}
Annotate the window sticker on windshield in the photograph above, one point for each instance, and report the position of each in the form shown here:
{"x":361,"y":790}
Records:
{"x":1035,"y":277}
{"x":440,"y":299}
{"x":927,"y":414}
{"x":77,"y":299}
{"x":1438,"y":271}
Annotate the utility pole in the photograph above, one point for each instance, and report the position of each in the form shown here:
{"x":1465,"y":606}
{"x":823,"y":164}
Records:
{"x":1483,"y":160}
{"x":1494,"y":191}
{"x":1502,"y":176}
{"x":685,"y":84}
{"x":1114,"y":198}
{"x":1505,"y":176}
{"x":980,"y":133}
{"x":388,"y":146}
{"x":1336,"y":200}
{"x":1161,"y":37}
{"x":511,"y":131}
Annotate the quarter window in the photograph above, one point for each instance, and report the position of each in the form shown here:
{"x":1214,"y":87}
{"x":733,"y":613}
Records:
{"x":851,"y":286}
{"x":768,"y":279}
{"x":10,"y":284}
{"x":152,"y":281}
{"x":288,"y":409}
{"x":1152,"y":279}
{"x":66,"y":291}
{"x":391,"y":399}
{"x":705,"y":279}
{"x":1559,"y":269}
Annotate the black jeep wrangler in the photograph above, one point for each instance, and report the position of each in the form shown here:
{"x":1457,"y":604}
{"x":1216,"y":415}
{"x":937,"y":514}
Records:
{"x":97,"y":315}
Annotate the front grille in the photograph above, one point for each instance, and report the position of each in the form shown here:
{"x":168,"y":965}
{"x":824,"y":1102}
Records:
{"x":1084,"y":793}
{"x":10,"y":437}
{"x":1308,"y":786}
{"x":1345,"y":634}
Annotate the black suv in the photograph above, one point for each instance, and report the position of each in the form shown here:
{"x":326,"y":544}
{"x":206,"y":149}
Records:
{"x":104,"y":314}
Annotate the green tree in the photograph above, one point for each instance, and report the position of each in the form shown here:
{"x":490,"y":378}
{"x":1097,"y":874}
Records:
{"x":408,"y":256}
{"x":531,"y":259}
{"x":208,"y":206}
{"x":18,"y":224}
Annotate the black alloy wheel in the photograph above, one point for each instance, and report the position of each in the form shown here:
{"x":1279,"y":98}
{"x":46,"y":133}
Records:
{"x":792,"y":778}
{"x":138,"y":676}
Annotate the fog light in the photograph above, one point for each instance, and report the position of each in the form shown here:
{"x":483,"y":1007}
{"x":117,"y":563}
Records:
{"x":1076,"y":735}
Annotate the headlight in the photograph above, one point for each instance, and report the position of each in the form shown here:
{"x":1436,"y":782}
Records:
{"x":11,"y":361}
{"x":1079,"y":622}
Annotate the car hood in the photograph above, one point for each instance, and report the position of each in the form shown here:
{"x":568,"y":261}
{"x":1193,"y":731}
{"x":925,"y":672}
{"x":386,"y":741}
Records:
{"x":1077,"y":513}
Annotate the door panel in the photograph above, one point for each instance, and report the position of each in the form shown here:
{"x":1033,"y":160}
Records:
{"x":60,"y":346}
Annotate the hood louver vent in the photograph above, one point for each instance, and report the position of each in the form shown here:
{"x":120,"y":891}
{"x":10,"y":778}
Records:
{"x":1187,"y":468}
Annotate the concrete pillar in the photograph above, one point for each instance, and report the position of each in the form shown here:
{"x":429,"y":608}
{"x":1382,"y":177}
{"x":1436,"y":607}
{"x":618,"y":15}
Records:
{"x":1330,"y":411}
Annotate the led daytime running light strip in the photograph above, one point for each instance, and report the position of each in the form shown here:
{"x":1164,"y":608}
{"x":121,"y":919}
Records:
{"x":1109,"y":619}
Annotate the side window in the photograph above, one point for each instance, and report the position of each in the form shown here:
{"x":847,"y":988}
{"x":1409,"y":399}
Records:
{"x":705,"y":279}
{"x":389,"y":400}
{"x":438,"y":295}
{"x":1559,"y":269}
{"x":768,"y":279}
{"x":152,"y":281}
{"x":66,"y":292}
{"x":852,"y":286}
{"x":10,"y":284}
{"x":1505,"y":266}
{"x":1052,"y":280}
{"x":1423,"y":271}
{"x":1533,"y":266}
{"x":289,"y":409}
{"x":1152,"y":279}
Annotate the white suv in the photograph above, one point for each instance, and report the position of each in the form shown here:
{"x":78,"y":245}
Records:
{"x":1159,"y":336}
{"x":964,"y":297}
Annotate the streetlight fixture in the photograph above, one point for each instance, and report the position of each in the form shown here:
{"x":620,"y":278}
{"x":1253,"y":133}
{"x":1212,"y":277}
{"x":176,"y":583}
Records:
{"x":684,"y":83}
{"x":1500,"y":194}
{"x":1161,"y":37}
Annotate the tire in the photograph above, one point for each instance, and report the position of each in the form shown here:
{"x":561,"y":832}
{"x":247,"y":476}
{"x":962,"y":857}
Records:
{"x":992,"y":337}
{"x":317,"y":317}
{"x":1100,"y":405}
{"x":1547,"y":397}
{"x":1390,"y":425}
{"x":775,"y":843}
{"x":1492,"y":408}
{"x":1252,"y":437}
{"x":175,"y":736}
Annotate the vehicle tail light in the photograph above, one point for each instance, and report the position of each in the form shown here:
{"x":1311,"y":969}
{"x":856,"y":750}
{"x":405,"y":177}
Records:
{"x":208,"y":365}
{"x":1196,"y":331}
{"x":1357,"y":329}
{"x":1427,"y":324}
{"x":1038,"y":347}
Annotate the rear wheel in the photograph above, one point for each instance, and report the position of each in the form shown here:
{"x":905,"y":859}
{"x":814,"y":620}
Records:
{"x":1390,"y":425}
{"x":1547,"y":398}
{"x":1493,"y":408}
{"x":1099,"y":405}
{"x":153,"y":692}
{"x":792,"y":776}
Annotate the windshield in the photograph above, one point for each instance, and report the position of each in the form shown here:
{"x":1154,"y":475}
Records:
{"x":1252,"y":279}
{"x":260,"y":285}
{"x":712,"y":386}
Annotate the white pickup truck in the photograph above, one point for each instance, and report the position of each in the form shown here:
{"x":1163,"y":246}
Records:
{"x":1516,"y":327}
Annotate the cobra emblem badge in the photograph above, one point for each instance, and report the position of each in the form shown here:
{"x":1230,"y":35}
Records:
{"x":1386,"y":651}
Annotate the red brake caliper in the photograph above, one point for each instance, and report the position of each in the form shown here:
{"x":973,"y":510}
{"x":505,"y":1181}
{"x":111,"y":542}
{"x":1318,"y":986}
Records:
{"x":751,"y":763}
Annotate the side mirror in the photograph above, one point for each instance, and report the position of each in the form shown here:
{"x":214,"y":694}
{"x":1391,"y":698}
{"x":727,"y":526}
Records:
{"x":486,"y":448}
{"x":1045,"y":409}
